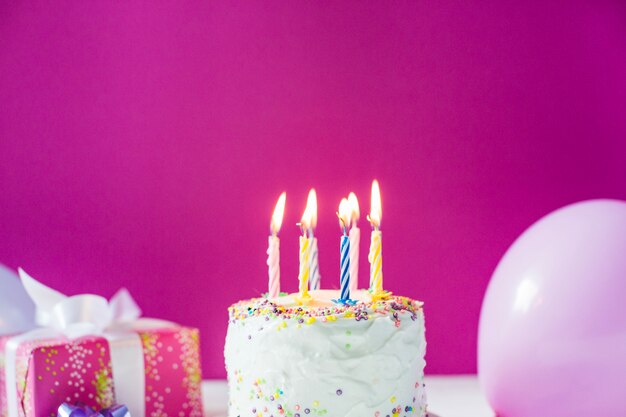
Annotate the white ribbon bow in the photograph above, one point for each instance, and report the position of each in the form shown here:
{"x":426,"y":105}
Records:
{"x":79,"y":315}
{"x":82,"y":315}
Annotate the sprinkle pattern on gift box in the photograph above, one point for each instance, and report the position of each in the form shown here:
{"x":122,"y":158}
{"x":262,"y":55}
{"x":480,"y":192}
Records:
{"x":175,"y":354}
{"x":3,"y":404}
{"x":53,"y":371}
{"x":58,"y":371}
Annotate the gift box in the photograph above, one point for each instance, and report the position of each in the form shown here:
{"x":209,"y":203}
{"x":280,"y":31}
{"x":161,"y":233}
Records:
{"x":99,"y":353}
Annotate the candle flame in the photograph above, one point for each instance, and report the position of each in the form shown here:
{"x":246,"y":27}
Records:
{"x":311,"y":204}
{"x":376,"y":211}
{"x":344,"y":213}
{"x":277,"y":216}
{"x":355,"y":212}
{"x":309,"y":217}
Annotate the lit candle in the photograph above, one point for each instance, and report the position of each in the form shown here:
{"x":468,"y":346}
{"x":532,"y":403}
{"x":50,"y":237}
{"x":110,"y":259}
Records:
{"x":355,"y":237}
{"x":314,"y":267}
{"x":273,"y":248}
{"x":375,"y":255}
{"x":305,"y":256}
{"x":344,"y":220}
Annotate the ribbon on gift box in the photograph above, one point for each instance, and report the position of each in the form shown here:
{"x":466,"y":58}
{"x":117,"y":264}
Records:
{"x":117,"y":320}
{"x":82,"y":410}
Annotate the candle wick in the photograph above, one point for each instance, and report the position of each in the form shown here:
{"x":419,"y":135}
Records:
{"x":374,"y":226}
{"x":343,"y":224}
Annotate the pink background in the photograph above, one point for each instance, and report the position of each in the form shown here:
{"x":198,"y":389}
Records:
{"x":145,"y":144}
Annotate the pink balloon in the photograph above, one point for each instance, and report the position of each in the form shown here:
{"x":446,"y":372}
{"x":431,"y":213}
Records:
{"x":552,"y":333}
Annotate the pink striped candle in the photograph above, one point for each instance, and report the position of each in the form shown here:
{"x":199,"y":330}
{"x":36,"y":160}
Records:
{"x":273,"y":249}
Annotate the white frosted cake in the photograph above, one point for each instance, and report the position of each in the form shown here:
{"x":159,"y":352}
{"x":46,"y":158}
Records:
{"x":325,"y":359}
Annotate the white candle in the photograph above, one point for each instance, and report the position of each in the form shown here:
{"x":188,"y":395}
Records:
{"x":273,"y":248}
{"x":315,"y":278}
{"x":355,"y":237}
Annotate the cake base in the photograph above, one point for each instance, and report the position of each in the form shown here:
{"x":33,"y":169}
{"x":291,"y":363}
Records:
{"x":326,"y":359}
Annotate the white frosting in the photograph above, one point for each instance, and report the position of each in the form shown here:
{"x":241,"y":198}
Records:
{"x":337,"y":367}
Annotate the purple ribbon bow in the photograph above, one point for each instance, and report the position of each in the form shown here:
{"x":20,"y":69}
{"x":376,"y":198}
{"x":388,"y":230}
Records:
{"x":82,"y":410}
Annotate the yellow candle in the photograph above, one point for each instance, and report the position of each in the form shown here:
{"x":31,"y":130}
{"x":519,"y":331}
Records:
{"x":376,"y":262}
{"x":305,"y":254}
{"x":375,"y":255}
{"x":303,"y":275}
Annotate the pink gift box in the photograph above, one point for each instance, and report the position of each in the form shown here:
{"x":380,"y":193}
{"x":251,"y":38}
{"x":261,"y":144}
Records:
{"x":52,"y":371}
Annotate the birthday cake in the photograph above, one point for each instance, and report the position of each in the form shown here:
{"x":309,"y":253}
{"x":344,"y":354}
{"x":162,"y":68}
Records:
{"x":326,"y":359}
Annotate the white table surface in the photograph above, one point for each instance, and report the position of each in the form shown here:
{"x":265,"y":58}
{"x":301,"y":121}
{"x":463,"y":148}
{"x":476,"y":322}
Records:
{"x":448,"y":396}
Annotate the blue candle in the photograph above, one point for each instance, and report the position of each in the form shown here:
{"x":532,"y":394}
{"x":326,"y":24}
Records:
{"x":344,"y":220}
{"x":345,"y":267}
